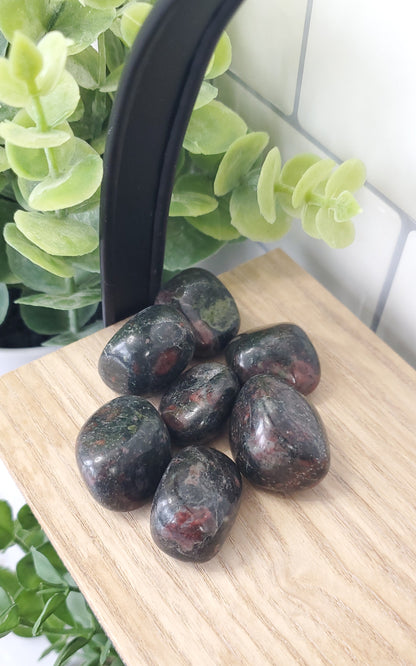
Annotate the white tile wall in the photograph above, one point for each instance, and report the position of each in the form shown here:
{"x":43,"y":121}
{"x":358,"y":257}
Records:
{"x":337,"y":79}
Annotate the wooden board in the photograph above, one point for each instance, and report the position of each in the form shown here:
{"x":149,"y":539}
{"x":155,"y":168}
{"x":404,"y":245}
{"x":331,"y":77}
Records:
{"x":327,"y":576}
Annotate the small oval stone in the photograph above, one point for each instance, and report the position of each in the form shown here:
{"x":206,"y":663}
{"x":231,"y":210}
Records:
{"x":122,"y":451}
{"x":208,"y":305}
{"x":198,"y":403}
{"x":148,"y":352}
{"x":277,"y":438}
{"x":196,"y":504}
{"x":283,"y":350}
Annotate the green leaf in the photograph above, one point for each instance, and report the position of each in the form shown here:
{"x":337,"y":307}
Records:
{"x":208,"y":164}
{"x":79,"y":182}
{"x":88,"y":262}
{"x":13,"y":91}
{"x":29,"y":163}
{"x":85,"y":68}
{"x":79,"y":610}
{"x":335,"y":234}
{"x":20,"y":243}
{"x":103,"y":4}
{"x":312,"y":177}
{"x":81,"y":24}
{"x":350,"y":175}
{"x":6,"y":524}
{"x":105,"y":652}
{"x":74,"y":301}
{"x":221,"y":59}
{"x":3,"y":44}
{"x":9,"y":615}
{"x":60,"y":103}
{"x":268,"y":178}
{"x":290,"y":175}
{"x":45,"y":570}
{"x":29,"y":16}
{"x":34,"y":276}
{"x":308,"y":217}
{"x":213,"y":128}
{"x":26,"y":573}
{"x":45,"y":320}
{"x":248,"y":220}
{"x":68,"y":338}
{"x":115,"y":50}
{"x":4,"y":164}
{"x":112,"y":80}
{"x":53,"y":48}
{"x":238,"y":160}
{"x":8,"y":581}
{"x":132,"y":20}
{"x":71,"y":648}
{"x":346,"y":207}
{"x":57,"y":236}
{"x":4,"y":305}
{"x":216,"y":224}
{"x":206,"y":94}
{"x":186,"y":246}
{"x":192,"y":197}
{"x":31,"y":137}
{"x":50,"y":607}
{"x":26,"y":518}
{"x":25,"y":59}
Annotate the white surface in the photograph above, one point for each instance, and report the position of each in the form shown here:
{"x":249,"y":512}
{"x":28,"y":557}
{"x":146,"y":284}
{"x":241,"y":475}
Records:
{"x":358,"y":94}
{"x":10,"y":359}
{"x":267,"y":38}
{"x":398,"y":324}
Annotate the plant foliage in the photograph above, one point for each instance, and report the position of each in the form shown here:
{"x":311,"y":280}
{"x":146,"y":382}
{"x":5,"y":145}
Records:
{"x":40,"y":598}
{"x":60,"y":64}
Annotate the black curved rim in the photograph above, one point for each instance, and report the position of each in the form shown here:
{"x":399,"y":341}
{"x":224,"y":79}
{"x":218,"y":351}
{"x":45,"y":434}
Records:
{"x":151,"y":112}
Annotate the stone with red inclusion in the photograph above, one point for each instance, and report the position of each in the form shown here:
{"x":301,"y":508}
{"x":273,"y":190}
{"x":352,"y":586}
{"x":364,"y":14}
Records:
{"x":196,"y":406}
{"x":148,"y":352}
{"x":196,"y":504}
{"x":283,"y":350}
{"x":208,"y":305}
{"x":277,"y":438}
{"x":122,"y":451}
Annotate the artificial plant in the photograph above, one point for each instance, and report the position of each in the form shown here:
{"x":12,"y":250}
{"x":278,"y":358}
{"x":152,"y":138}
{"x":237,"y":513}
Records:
{"x":60,"y":64}
{"x":40,"y":598}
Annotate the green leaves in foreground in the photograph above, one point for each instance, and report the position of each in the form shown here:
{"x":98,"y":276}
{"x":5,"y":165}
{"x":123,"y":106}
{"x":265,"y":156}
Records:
{"x":41,"y":598}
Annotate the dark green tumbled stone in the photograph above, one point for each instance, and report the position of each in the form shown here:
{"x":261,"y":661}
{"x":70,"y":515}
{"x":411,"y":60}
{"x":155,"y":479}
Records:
{"x":283,"y":350}
{"x":196,"y":406}
{"x":122,"y":451}
{"x":196,"y":504}
{"x":148,"y":352}
{"x":208,"y":305}
{"x":277,"y":438}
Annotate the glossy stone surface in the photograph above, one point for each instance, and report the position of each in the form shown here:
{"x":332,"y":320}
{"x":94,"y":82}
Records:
{"x":122,"y":451}
{"x":148,"y":352}
{"x":277,"y":438}
{"x":208,"y":305}
{"x":196,"y":406}
{"x":196,"y":504}
{"x":283,"y":350}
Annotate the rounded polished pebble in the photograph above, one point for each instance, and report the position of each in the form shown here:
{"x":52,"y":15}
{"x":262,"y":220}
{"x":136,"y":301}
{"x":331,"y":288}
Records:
{"x":283,"y":350}
{"x":196,"y":504}
{"x":196,"y":406}
{"x":208,"y":305}
{"x":122,"y":451}
{"x":148,"y":352}
{"x":277,"y":438}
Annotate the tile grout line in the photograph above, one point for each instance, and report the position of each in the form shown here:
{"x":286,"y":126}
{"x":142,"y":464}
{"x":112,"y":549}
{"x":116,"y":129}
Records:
{"x":301,"y":67}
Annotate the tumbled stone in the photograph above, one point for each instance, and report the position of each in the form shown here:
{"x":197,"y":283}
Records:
{"x":122,"y":451}
{"x":277,"y":438}
{"x":208,"y":305}
{"x":196,"y":504}
{"x":283,"y":350}
{"x":196,"y":406}
{"x":148,"y":352}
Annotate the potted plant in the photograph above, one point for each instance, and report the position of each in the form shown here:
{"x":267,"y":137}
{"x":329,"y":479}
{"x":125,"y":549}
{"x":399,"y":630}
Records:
{"x":59,"y":70}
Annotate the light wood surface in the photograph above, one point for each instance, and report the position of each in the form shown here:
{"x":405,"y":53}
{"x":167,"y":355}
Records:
{"x":327,"y":576}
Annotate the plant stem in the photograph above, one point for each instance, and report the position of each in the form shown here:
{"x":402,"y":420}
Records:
{"x":102,"y":62}
{"x":72,"y":314}
{"x":42,"y":124}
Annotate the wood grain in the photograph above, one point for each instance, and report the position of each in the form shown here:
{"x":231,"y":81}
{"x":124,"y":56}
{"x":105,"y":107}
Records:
{"x":327,"y":576}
